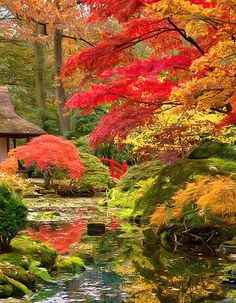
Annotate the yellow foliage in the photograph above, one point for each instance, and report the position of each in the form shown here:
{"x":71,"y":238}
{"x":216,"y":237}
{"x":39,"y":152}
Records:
{"x":212,"y":84}
{"x":160,"y":216}
{"x":177,"y":130}
{"x":217,"y":194}
{"x":17,"y":185}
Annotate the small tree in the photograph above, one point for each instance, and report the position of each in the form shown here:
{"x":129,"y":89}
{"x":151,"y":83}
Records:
{"x":13,"y":217}
{"x":50,"y":154}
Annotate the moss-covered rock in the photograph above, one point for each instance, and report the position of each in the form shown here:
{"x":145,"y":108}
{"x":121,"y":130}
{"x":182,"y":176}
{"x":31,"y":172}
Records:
{"x":20,"y":269}
{"x":35,"y":250}
{"x":16,"y":258}
{"x":20,"y":280}
{"x":70,"y":264}
{"x":83,"y":251}
{"x":174,"y":177}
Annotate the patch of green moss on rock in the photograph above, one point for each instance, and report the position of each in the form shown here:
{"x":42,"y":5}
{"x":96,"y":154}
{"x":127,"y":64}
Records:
{"x":35,"y":250}
{"x":20,"y":280}
{"x":6,"y":290}
{"x":70,"y":264}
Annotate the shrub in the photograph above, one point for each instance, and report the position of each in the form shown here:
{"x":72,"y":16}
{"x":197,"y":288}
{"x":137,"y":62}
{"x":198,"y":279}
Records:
{"x":51,"y":154}
{"x":174,"y":177}
{"x":13,"y":217}
{"x":96,"y":175}
{"x":214,"y":149}
{"x":208,"y":201}
{"x":17,"y":185}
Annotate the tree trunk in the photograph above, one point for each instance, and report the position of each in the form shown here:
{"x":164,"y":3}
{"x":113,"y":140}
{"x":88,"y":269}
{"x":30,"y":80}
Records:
{"x":41,"y":94}
{"x":64,"y":118}
{"x":47,"y":180}
{"x":5,"y":245}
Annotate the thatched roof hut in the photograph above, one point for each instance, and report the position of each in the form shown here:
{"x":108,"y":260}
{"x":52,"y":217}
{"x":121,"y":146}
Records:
{"x":11,"y":123}
{"x":12,"y":126}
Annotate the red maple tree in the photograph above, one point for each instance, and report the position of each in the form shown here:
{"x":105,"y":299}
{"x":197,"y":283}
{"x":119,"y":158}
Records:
{"x":138,"y":89}
{"x":48,"y":152}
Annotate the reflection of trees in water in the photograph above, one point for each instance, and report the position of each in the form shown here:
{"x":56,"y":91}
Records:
{"x":168,"y":277}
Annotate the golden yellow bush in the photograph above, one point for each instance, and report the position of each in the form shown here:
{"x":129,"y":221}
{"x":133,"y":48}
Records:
{"x":160,"y":216}
{"x":214,"y":193}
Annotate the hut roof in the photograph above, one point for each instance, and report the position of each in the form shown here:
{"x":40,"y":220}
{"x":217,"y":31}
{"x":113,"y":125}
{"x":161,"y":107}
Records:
{"x":10,"y":123}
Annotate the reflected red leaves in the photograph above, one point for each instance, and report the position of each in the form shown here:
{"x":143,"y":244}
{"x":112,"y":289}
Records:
{"x":59,"y":238}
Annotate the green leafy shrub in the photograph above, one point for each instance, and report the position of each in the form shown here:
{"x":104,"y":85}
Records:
{"x":13,"y":217}
{"x":82,"y":144}
{"x":96,"y":175}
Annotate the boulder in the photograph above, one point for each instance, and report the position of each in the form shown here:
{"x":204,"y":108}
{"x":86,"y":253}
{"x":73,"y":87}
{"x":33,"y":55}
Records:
{"x":96,"y":229}
{"x":70,"y":264}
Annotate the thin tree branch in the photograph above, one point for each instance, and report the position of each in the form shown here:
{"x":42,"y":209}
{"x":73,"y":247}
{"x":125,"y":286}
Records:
{"x":187,"y":38}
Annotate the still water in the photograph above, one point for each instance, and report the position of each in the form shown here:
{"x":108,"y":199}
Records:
{"x":124,"y":271}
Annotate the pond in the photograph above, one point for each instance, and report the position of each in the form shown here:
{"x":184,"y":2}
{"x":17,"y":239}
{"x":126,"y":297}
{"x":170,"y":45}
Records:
{"x":125,"y":271}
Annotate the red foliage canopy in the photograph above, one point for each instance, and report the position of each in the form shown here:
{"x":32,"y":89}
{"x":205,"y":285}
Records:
{"x":137,"y":88}
{"x":49,"y":151}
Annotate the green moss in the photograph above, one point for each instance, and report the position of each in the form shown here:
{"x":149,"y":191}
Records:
{"x":19,"y":287}
{"x":16,"y":258}
{"x":6,"y":290}
{"x":172,"y":178}
{"x":138,"y":173}
{"x":36,"y":251}
{"x":70,"y":264}
{"x":48,"y":215}
{"x":17,"y":273}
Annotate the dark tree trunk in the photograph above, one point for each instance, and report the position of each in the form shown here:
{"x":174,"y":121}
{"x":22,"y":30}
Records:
{"x":41,"y":94}
{"x":5,"y":245}
{"x":64,"y":118}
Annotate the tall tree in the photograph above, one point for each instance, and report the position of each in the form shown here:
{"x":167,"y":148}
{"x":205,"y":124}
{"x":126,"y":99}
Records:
{"x":41,"y":21}
{"x":40,"y":83}
{"x":190,"y":66}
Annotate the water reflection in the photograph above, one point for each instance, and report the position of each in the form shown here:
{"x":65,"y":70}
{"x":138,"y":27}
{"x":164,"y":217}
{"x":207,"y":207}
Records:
{"x":124,"y":272}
